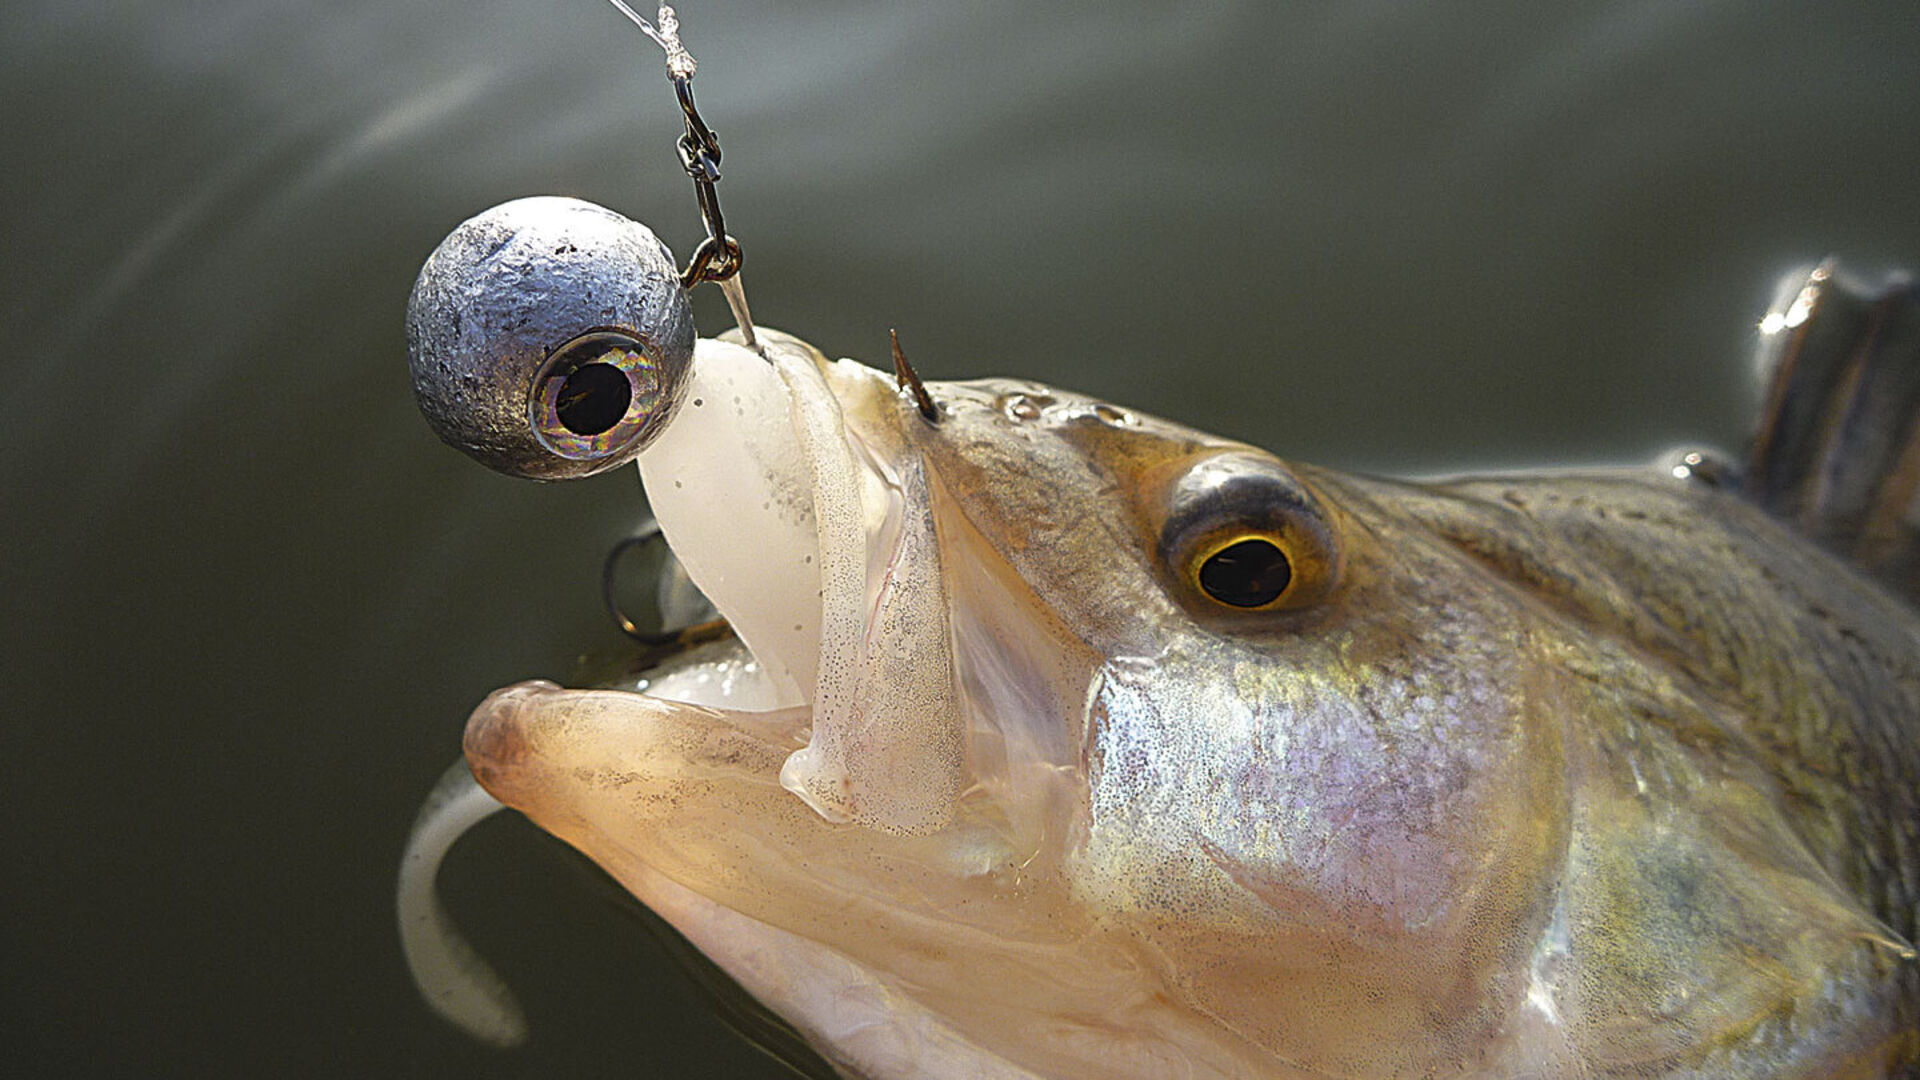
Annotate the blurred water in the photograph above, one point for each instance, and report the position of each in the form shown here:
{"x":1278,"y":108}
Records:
{"x":251,"y":599}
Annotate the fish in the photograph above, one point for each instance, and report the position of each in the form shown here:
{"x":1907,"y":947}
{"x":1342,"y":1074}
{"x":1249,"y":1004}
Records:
{"x":1052,"y":739}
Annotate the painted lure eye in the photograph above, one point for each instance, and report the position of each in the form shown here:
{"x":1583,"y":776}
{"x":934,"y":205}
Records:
{"x":1242,"y":534}
{"x":549,"y":338}
{"x":595,"y":395}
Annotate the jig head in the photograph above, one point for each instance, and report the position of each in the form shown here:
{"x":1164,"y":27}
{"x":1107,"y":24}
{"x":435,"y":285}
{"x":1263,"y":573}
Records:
{"x":549,"y":338}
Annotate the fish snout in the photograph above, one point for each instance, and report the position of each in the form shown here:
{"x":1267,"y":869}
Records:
{"x":500,"y":743}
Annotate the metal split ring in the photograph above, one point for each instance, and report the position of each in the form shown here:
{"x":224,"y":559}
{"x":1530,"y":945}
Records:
{"x":716,"y":259}
{"x":718,"y":256}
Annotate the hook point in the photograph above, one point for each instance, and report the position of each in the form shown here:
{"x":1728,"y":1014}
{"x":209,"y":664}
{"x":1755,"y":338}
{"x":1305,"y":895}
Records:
{"x":909,"y":381}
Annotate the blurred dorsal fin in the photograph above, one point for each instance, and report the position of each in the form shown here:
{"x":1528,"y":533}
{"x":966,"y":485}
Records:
{"x":1837,"y":452}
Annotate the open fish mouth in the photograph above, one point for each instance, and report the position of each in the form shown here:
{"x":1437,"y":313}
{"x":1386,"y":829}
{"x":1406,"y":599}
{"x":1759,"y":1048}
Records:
{"x":814,"y":538}
{"x":876,"y":792}
{"x":795,"y":497}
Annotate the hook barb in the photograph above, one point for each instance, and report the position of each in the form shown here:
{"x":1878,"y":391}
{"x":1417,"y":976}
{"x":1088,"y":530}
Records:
{"x":910,"y":381}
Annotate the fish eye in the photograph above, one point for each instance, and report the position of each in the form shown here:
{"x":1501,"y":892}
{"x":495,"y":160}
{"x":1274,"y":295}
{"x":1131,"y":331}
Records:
{"x":1245,"y":572}
{"x":594,"y":395}
{"x":1239,"y":533}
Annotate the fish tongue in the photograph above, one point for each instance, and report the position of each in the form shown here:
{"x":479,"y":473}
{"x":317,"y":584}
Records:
{"x":885,"y":749}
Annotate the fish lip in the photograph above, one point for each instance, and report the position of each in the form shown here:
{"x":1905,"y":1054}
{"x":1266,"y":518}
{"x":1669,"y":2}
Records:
{"x":491,"y":743}
{"x":510,"y":735}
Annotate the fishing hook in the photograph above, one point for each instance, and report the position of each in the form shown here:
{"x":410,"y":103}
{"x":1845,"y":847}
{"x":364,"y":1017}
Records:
{"x":664,"y":641}
{"x":909,"y":380}
{"x":646,"y":533}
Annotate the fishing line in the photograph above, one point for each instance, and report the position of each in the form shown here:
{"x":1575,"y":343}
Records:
{"x":718,"y":258}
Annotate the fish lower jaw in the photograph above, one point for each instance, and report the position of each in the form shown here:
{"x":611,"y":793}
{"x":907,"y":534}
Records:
{"x":897,"y":956}
{"x":865,"y":1024}
{"x":1086,"y":1012}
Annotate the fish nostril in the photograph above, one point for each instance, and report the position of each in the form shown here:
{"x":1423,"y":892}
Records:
{"x":593,"y":398}
{"x":1024,"y":406}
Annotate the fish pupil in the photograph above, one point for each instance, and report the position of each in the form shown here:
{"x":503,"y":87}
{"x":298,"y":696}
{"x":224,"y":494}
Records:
{"x":593,"y":399}
{"x":1250,"y":573}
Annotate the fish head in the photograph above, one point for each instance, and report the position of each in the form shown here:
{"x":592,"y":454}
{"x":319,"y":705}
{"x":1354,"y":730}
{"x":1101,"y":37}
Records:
{"x":1146,"y":750}
{"x":1314,"y":757}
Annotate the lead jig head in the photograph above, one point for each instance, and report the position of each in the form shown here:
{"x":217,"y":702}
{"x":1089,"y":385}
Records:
{"x":549,"y":338}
